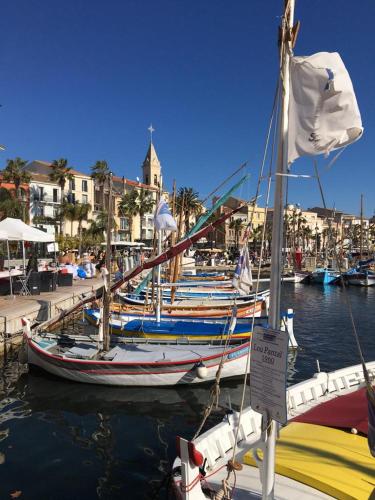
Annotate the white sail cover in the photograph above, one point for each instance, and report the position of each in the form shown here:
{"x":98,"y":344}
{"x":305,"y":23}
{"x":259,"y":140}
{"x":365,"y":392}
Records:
{"x":243,"y":279}
{"x":323,"y":110}
{"x":163,"y":219}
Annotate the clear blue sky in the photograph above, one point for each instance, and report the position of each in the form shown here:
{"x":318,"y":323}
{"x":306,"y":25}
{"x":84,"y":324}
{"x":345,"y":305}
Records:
{"x":83,"y":79}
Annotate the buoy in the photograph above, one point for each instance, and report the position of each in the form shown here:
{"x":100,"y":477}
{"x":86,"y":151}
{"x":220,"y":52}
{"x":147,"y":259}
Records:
{"x":201,"y":370}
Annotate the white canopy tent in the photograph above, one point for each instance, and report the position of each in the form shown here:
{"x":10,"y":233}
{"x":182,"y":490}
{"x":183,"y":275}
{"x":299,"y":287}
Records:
{"x":16,"y":230}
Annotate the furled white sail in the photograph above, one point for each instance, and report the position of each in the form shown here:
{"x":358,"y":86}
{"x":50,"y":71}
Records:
{"x":163,"y":219}
{"x":242,"y":278}
{"x":323,"y":110}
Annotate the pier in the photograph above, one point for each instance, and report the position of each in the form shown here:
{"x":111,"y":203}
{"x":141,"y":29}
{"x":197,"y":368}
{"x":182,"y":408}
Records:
{"x":38,"y":308}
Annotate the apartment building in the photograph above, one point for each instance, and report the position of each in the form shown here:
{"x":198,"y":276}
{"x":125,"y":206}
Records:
{"x":46,"y":196}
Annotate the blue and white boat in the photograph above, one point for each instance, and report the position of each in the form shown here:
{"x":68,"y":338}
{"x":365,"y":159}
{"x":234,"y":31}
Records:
{"x":198,"y":329}
{"x":360,"y":277}
{"x":324,"y":275}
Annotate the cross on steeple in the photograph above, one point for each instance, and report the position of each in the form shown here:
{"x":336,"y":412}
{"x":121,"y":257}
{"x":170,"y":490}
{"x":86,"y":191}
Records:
{"x":151,"y":129}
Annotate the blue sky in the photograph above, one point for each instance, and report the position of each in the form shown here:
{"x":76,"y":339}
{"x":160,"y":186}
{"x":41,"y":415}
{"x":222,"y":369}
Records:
{"x":83,"y":80}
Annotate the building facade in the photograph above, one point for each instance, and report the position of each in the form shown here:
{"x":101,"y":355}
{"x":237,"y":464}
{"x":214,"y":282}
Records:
{"x":46,"y":197}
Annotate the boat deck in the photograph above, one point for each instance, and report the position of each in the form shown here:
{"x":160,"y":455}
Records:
{"x":130,"y":353}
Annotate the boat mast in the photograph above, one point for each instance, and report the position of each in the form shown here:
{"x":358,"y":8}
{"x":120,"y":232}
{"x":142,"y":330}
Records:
{"x":282,"y":164}
{"x":107,"y":288}
{"x":361,"y":234}
{"x":158,"y":276}
{"x":286,"y":40}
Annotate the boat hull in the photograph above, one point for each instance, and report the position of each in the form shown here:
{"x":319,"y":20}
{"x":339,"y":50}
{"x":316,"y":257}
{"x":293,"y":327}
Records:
{"x":324,"y":277}
{"x":137,"y":374}
{"x":167,"y":329}
{"x":360,"y":279}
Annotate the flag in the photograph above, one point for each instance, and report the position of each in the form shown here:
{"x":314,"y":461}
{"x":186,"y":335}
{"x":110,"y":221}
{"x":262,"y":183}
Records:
{"x":323,"y":110}
{"x":242,"y":279}
{"x":163,"y":219}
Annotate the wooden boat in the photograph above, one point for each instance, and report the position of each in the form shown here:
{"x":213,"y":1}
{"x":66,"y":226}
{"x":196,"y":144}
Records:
{"x":316,"y":456}
{"x":189,"y":329}
{"x":187,"y":309}
{"x":324,"y":276}
{"x":167,"y":329}
{"x":201,"y":302}
{"x":360,"y":278}
{"x":134,"y":364}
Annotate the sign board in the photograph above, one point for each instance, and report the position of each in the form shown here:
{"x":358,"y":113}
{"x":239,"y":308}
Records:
{"x":268,"y":372}
{"x":52,"y":247}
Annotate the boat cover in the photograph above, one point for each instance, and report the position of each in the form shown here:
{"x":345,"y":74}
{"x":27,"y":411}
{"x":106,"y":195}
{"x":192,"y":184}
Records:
{"x":345,"y":412}
{"x":330,"y":460}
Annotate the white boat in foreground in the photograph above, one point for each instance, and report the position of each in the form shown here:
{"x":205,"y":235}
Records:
{"x":312,"y":461}
{"x":134,"y":364}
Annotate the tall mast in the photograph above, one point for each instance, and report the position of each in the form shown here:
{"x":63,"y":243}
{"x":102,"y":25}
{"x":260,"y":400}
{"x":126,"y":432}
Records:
{"x":278,"y":226}
{"x":361,"y":234}
{"x":107,"y":288}
{"x":282,"y":164}
{"x":160,"y":238}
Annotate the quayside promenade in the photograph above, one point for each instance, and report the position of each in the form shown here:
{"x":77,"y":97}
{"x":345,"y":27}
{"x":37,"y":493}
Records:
{"x":38,"y":308}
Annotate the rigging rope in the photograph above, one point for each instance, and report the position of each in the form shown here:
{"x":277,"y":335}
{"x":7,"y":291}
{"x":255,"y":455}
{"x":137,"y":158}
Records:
{"x":366,"y":375}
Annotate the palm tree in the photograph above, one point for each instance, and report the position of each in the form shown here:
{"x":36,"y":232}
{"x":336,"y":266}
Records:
{"x":68,"y":211}
{"x":60,"y":174}
{"x":236,"y":225}
{"x":98,"y":226}
{"x":9,"y":205}
{"x":99,"y":172}
{"x":129,"y":208}
{"x":256,"y":236}
{"x":14,"y":172}
{"x":145,"y":204}
{"x":82,"y":211}
{"x":187,"y":197}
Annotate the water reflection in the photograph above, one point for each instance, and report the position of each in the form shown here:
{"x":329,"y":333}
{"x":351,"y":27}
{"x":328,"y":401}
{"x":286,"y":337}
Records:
{"x":85,"y":441}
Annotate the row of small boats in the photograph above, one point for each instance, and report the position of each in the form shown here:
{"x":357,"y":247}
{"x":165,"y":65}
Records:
{"x":359,"y":275}
{"x":186,"y":344}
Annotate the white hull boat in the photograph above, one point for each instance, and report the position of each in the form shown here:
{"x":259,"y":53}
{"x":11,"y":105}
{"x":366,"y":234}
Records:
{"x":310,"y":466}
{"x":133,"y":364}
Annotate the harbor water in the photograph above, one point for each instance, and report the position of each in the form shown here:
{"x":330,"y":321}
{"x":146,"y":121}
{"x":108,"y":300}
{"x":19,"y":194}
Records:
{"x":61,"y":440}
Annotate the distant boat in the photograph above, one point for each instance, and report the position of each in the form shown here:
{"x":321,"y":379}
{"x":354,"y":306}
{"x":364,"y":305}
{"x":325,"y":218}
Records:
{"x":361,"y":275}
{"x":360,"y":278}
{"x":324,"y":275}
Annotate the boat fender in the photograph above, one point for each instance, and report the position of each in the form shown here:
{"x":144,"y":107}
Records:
{"x":201,"y":370}
{"x":354,"y":431}
{"x":195,"y":456}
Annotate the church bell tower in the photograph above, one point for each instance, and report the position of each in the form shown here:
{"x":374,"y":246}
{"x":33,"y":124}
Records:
{"x":151,"y":165}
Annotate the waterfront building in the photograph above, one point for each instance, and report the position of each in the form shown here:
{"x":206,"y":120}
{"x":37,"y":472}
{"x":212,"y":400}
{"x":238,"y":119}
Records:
{"x":46,"y":197}
{"x":141,"y":226}
{"x":231,"y":233}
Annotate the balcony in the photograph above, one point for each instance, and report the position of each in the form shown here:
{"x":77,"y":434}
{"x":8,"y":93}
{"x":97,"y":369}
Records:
{"x":46,"y":199}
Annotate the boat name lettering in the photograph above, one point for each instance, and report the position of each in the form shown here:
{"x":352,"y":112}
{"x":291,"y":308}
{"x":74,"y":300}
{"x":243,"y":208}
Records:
{"x":236,"y":354}
{"x":267,"y":351}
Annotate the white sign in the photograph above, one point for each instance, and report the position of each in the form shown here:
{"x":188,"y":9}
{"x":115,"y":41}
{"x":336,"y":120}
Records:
{"x":268,"y":372}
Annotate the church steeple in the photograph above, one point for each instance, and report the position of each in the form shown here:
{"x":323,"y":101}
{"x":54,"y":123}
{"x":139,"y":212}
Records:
{"x":151,"y":165}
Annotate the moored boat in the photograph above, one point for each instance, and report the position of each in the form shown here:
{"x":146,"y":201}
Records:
{"x":316,"y":455}
{"x":134,"y":364}
{"x":324,"y":275}
{"x":189,"y":329}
